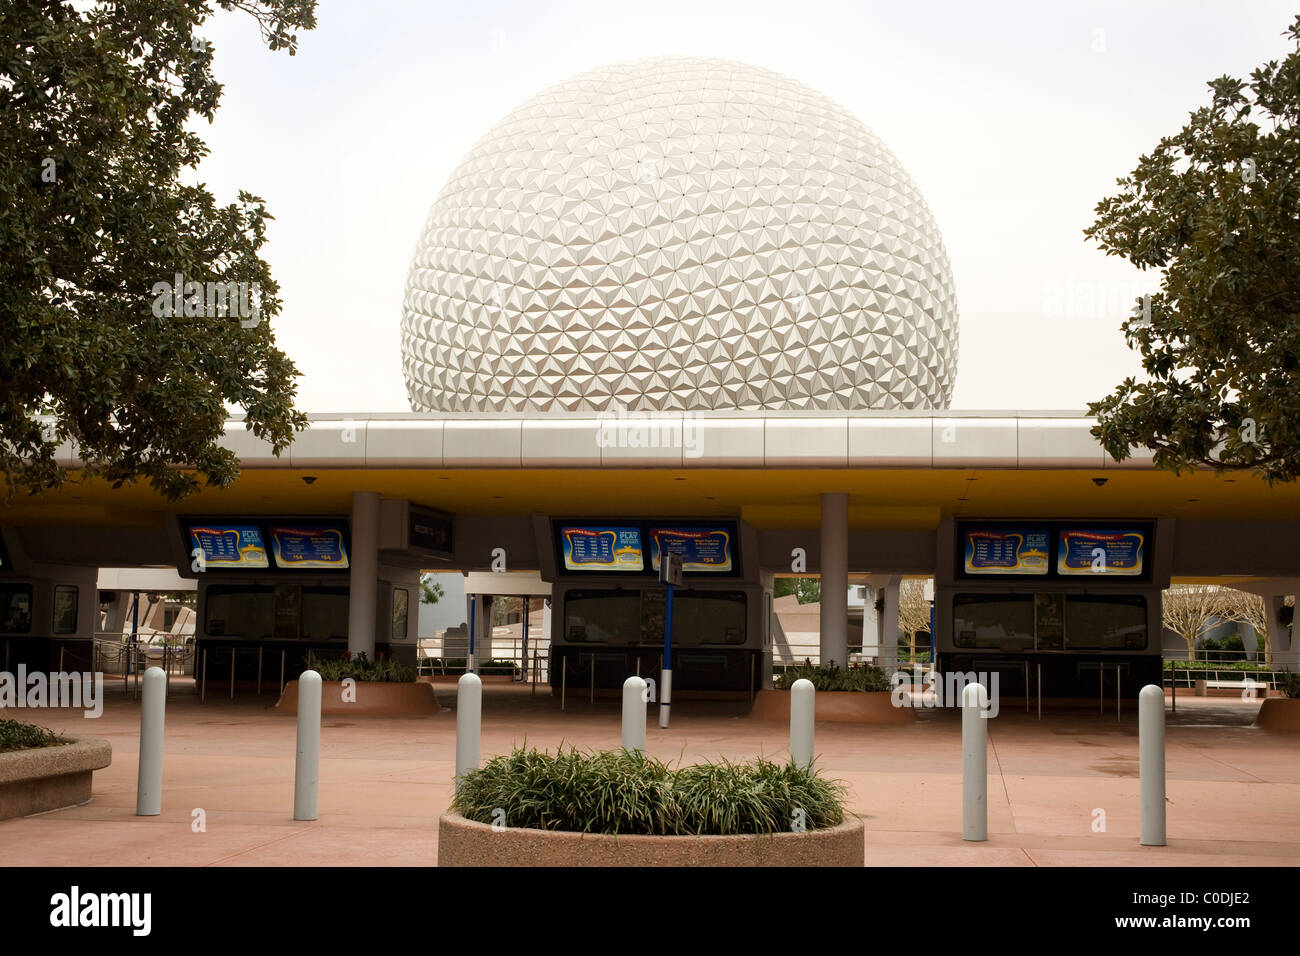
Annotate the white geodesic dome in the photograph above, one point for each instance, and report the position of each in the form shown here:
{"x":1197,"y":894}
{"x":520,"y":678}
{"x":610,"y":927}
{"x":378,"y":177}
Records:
{"x":679,"y":234}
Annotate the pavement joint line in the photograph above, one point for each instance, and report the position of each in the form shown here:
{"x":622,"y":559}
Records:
{"x":312,"y":825}
{"x":1002,"y":779}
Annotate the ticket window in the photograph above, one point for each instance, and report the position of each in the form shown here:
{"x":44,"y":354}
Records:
{"x":1050,"y":622}
{"x":632,"y":616}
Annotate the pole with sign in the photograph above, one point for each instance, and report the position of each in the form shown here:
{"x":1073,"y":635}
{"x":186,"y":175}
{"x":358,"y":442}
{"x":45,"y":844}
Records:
{"x":670,"y":575}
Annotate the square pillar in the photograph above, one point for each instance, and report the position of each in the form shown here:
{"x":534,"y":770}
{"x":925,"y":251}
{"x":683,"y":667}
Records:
{"x":835,"y":579}
{"x":363,"y":574}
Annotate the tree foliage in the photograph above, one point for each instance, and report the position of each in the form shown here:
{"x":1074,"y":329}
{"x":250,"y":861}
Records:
{"x":94,"y":215}
{"x":1216,"y":209}
{"x":913,"y":610}
{"x":1246,"y":608}
{"x":1192,"y":610}
{"x":431,"y":591}
{"x":807,"y":590}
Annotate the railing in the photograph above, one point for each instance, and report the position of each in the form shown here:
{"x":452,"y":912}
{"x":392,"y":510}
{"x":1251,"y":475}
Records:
{"x":113,"y":653}
{"x":793,"y":654}
{"x":1187,"y":676}
{"x":432,"y":658}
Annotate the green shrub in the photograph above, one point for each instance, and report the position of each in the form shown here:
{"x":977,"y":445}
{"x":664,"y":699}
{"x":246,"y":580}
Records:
{"x":614,"y":791}
{"x":1291,"y":685}
{"x":1248,"y":666}
{"x":19,"y":736}
{"x":385,"y":670}
{"x":863,"y":678}
{"x":485,"y":669}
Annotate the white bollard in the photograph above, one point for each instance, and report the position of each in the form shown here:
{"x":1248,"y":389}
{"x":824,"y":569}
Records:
{"x":1151,"y":763}
{"x":802,"y":710}
{"x":153,"y":706}
{"x":634,"y":714}
{"x":469,"y":719}
{"x":306,"y":773}
{"x":974,"y":764}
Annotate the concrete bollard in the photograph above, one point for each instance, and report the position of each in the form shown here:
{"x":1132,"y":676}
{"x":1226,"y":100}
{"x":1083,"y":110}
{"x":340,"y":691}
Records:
{"x":802,"y":710}
{"x":306,"y":775}
{"x":469,"y":720}
{"x":974,"y":764}
{"x":634,"y":714}
{"x":1151,"y":763}
{"x":153,"y":707}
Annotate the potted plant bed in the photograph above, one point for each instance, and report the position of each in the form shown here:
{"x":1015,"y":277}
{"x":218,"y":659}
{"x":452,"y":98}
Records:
{"x":381,"y":688}
{"x":42,"y":771}
{"x":1282,"y":713}
{"x":857,"y":695}
{"x":619,"y":808}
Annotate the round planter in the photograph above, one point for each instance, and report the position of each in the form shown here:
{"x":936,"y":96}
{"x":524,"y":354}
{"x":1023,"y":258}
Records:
{"x":373,"y":699}
{"x":1279,"y":713}
{"x":50,"y":778}
{"x":840,"y":706}
{"x":463,"y":842}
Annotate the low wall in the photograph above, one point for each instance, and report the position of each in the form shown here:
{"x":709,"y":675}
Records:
{"x":50,"y":778}
{"x":463,"y":842}
{"x":1279,"y":713}
{"x":373,"y":699}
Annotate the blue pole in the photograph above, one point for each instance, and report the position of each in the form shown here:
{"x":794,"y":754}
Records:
{"x":666,"y":675}
{"x":473,"y":605}
{"x":668,"y":630}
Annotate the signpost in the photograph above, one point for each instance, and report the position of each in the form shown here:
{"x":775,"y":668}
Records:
{"x":670,"y":575}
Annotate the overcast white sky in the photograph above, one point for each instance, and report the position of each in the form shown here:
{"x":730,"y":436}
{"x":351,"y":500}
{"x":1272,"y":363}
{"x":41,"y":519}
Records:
{"x":1013,"y":118}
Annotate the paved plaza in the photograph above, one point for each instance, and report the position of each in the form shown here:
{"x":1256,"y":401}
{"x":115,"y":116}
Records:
{"x":1232,"y":788}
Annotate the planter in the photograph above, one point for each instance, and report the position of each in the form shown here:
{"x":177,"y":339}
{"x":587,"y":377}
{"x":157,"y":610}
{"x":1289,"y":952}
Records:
{"x":840,"y":706}
{"x":1279,"y":713}
{"x":373,"y":699}
{"x":50,"y":778}
{"x":463,"y":842}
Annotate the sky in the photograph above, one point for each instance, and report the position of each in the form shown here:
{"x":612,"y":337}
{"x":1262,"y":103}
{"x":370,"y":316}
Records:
{"x":1013,"y":118}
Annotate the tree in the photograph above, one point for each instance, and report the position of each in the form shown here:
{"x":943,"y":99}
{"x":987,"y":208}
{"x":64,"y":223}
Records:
{"x":97,"y":230}
{"x":1190,"y":610}
{"x":431,"y":591}
{"x":913,"y":612}
{"x":1246,"y":608}
{"x":1216,"y":209}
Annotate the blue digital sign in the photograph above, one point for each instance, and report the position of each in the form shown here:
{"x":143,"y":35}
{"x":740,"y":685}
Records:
{"x":317,"y":547}
{"x":235,"y":546}
{"x":702,"y":549}
{"x":1107,"y":552}
{"x":602,"y":549}
{"x":1006,"y":551}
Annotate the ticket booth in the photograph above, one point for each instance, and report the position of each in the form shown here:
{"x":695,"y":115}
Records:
{"x":608,"y":617}
{"x":1068,"y":609}
{"x":273,"y":589}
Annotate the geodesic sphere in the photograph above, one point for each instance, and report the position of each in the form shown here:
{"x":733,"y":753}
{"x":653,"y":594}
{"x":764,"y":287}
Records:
{"x":679,"y":234}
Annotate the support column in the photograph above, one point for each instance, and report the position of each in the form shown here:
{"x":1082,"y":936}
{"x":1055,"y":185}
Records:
{"x":870,"y":623}
{"x":1280,"y":637}
{"x":363,"y":583}
{"x":483,"y":639}
{"x":835,"y":579}
{"x":889,"y":627}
